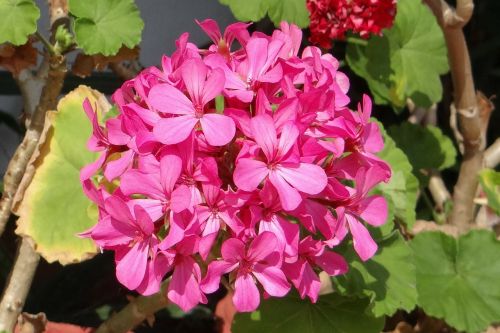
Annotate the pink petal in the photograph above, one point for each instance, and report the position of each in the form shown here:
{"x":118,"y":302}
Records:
{"x":233,"y":250}
{"x":273,"y":75}
{"x":117,"y":167}
{"x":194,"y":74}
{"x":262,"y":246}
{"x":183,"y":289}
{"x":218,"y":129}
{"x":332,"y":263}
{"x":156,"y":270}
{"x":246,"y":296}
{"x":287,"y":234}
{"x":373,"y":141}
{"x":90,"y":169}
{"x":176,"y":231}
{"x":304,"y":279}
{"x":249,"y":173}
{"x":118,"y":209}
{"x":241,"y":118}
{"x":144,"y":220}
{"x":106,"y":234}
{"x":374,"y":210}
{"x":211,"y":28}
{"x":256,"y":49}
{"x":154,"y":208}
{"x":170,"y":170}
{"x":289,"y":196}
{"x":168,"y":99}
{"x":363,"y":242}
{"x":289,"y":135}
{"x":136,"y":182}
{"x":131,"y":265}
{"x":272,"y":279}
{"x":174,"y":130}
{"x":264,"y":134}
{"x":215,"y":270}
{"x":181,"y":199}
{"x":307,"y":178}
{"x":213,"y":86}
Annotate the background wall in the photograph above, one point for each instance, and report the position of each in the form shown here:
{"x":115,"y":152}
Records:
{"x":164,"y":21}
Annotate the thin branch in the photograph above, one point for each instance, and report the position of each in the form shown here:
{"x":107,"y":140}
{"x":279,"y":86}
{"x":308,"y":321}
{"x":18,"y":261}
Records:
{"x":18,"y":285}
{"x":469,"y":115}
{"x":49,"y":47}
{"x":449,"y":17}
{"x":438,"y":190}
{"x":17,"y":165}
{"x":24,"y":269}
{"x":123,"y":72}
{"x":138,"y":310}
{"x":492,"y":155}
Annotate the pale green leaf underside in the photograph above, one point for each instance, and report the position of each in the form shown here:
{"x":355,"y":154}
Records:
{"x":457,"y":280}
{"x":105,"y":26}
{"x":18,"y":20}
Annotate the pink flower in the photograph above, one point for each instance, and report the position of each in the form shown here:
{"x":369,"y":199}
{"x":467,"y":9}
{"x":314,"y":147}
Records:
{"x":202,"y":88}
{"x":259,"y":262}
{"x":301,"y":272}
{"x":253,"y":147}
{"x":358,"y":208}
{"x":184,"y":289}
{"x":233,"y":31}
{"x":132,"y":236}
{"x":211,"y":216}
{"x":281,"y":167}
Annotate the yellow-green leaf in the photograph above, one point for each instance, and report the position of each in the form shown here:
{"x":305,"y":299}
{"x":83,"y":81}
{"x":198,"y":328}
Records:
{"x":54,"y":209}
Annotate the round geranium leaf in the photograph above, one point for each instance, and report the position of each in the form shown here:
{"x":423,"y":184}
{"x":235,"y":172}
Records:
{"x":53,"y":209}
{"x":18,"y":20}
{"x":457,"y":279}
{"x":104,"y":26}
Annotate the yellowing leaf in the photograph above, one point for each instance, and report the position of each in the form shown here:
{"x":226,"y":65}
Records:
{"x":54,"y":208}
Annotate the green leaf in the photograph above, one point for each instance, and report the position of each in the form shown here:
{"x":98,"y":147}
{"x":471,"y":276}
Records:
{"x":401,"y":191}
{"x":245,"y":10}
{"x":54,"y":209}
{"x":291,"y":11}
{"x":331,"y":314}
{"x":490,"y":182}
{"x":104,"y":26}
{"x":18,"y":20}
{"x":426,"y":147}
{"x":388,"y":278}
{"x":406,"y":62}
{"x":457,"y":279}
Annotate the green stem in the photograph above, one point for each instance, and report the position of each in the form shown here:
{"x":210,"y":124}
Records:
{"x":357,"y":41}
{"x":437,"y":217}
{"x":50,"y":48}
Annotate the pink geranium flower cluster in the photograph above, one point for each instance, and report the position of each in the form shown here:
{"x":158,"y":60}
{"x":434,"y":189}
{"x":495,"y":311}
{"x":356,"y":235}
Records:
{"x":332,"y":19}
{"x":243,"y":164}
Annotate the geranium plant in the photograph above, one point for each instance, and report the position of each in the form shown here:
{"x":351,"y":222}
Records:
{"x":248,"y":178}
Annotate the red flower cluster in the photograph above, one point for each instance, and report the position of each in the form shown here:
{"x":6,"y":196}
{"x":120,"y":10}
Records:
{"x":331,"y":19}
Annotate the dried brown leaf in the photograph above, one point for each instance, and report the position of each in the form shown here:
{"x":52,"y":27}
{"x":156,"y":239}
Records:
{"x":16,"y":58}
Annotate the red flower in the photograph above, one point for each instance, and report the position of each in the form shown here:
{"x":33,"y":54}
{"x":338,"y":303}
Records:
{"x":331,"y":19}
